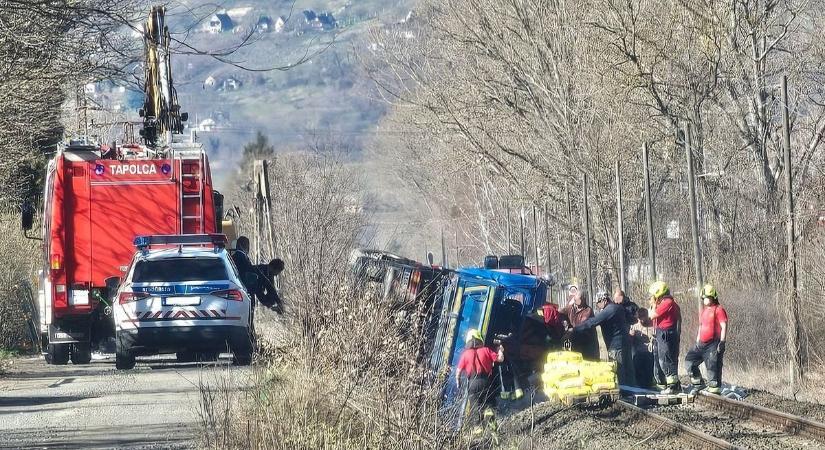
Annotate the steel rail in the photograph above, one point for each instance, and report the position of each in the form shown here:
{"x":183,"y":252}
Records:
{"x":785,"y":422}
{"x":696,"y":436}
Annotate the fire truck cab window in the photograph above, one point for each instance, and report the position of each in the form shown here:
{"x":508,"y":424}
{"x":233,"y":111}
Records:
{"x":179,"y":269}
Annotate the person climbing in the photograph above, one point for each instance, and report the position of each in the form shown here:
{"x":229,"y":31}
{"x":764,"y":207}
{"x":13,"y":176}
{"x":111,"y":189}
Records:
{"x":266,"y":292}
{"x":615,"y":332}
{"x":474,"y":371}
{"x":577,"y":311}
{"x":710,"y":342}
{"x":667,"y":320}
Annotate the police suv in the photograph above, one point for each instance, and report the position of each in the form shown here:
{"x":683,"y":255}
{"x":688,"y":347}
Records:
{"x":182,"y":294}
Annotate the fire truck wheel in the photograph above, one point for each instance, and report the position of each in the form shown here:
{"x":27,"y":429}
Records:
{"x":59,"y":354}
{"x":124,"y":359}
{"x":81,"y":353}
{"x":186,"y":357}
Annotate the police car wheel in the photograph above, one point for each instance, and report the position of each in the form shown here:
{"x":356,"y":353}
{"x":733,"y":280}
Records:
{"x":242,"y":359}
{"x":59,"y":354}
{"x":81,"y":353}
{"x":124,"y":359}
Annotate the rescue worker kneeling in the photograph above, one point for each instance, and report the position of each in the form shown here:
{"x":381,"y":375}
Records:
{"x":475,"y":369}
{"x":710,"y":342}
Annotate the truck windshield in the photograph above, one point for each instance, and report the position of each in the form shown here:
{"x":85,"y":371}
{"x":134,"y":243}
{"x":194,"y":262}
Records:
{"x":180,"y":269}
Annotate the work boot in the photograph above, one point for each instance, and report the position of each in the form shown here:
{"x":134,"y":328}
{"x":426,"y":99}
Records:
{"x":714,"y":388}
{"x":517,"y":394}
{"x":668,"y":391}
{"x":661,"y":387}
{"x":697,"y":382}
{"x":505,"y":395}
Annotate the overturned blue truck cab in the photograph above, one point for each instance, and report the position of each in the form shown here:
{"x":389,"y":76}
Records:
{"x":502,"y":306}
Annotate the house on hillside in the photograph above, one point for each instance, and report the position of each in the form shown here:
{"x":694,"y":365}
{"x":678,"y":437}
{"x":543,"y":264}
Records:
{"x":320,"y":22}
{"x":280,"y":23}
{"x":264,"y":25}
{"x":230,"y":84}
{"x":219,"y":23}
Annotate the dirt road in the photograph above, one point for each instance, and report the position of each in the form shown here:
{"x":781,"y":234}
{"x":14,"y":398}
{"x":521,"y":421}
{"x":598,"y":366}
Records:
{"x":95,"y":406}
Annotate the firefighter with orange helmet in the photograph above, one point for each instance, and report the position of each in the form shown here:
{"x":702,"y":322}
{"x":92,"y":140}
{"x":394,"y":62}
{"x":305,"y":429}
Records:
{"x":667,"y":319}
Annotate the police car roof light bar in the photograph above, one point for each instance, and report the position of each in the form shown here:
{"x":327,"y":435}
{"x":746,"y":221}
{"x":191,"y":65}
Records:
{"x":216,"y":239}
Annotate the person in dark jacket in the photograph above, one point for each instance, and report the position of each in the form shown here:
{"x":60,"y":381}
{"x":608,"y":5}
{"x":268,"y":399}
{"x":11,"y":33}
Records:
{"x":241,"y":259}
{"x":587,"y":341}
{"x":615,"y":331}
{"x":630,"y":307}
{"x":266,"y":292}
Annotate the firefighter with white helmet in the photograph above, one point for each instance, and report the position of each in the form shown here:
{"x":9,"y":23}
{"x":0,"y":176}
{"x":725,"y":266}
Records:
{"x":667,"y":319}
{"x":710,"y":342}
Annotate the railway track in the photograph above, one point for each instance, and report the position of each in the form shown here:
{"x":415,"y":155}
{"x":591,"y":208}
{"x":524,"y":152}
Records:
{"x":696,"y":437}
{"x":787,"y":423}
{"x":712,"y":421}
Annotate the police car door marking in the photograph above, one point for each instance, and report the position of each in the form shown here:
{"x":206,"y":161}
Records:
{"x":215,"y":313}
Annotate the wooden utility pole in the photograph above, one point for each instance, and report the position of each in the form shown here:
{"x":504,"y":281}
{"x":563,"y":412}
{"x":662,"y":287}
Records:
{"x":694,"y":214}
{"x":521,"y":231}
{"x":536,"y":239}
{"x":263,"y":242}
{"x":547,"y":239}
{"x":588,"y":259}
{"x":509,"y":233}
{"x":796,"y":369}
{"x":575,"y":271}
{"x":651,"y":245}
{"x":444,"y":262}
{"x":620,"y":226}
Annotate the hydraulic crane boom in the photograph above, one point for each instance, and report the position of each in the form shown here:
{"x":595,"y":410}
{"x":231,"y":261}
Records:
{"x":161,"y":110}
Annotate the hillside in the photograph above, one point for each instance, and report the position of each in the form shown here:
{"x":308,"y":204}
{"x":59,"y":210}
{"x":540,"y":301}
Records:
{"x":321,"y":98}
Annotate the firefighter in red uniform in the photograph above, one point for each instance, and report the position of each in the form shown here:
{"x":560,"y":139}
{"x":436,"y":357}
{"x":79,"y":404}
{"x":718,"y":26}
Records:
{"x":667,"y":317}
{"x":710,"y":342}
{"x":475,"y":368}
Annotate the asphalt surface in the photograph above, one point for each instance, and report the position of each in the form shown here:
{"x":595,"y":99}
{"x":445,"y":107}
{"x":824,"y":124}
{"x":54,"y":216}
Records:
{"x":156,"y":405}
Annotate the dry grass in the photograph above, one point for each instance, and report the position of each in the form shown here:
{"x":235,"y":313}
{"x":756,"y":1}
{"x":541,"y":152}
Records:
{"x":19,"y":260}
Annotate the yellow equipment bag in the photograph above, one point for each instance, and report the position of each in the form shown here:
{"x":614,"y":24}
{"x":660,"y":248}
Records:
{"x":606,"y":386}
{"x":564,"y":356}
{"x":570,"y":383}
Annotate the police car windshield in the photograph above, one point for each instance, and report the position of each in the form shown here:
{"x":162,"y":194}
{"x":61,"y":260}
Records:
{"x":179,"y":269}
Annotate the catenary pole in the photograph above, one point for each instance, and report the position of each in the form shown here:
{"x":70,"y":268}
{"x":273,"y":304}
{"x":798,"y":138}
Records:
{"x":620,"y":226}
{"x":587,"y":237}
{"x":796,"y":369}
{"x":651,"y":245}
{"x":694,"y":214}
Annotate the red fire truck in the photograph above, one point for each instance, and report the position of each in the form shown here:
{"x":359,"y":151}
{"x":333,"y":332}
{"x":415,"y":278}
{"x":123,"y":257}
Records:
{"x":97,"y":199}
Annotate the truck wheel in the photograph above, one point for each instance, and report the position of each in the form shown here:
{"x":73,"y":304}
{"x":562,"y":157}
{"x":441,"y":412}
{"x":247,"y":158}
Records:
{"x":59,"y":354}
{"x":186,"y":357}
{"x":81,"y":353}
{"x":124,"y":359}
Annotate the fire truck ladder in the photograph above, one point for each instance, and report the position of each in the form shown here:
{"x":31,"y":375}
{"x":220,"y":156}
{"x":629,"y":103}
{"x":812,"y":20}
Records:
{"x":191,"y":197}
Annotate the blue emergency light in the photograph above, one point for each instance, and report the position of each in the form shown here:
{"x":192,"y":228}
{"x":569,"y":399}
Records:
{"x":144,"y":242}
